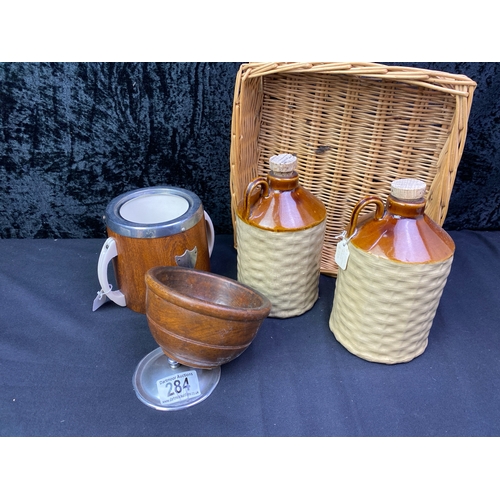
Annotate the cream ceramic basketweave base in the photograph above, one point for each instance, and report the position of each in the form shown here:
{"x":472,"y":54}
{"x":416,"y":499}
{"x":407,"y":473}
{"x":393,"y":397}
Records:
{"x":383,"y":310}
{"x":284,"y":266}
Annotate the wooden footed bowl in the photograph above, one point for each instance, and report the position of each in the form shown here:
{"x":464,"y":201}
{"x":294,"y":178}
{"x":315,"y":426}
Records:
{"x":201,"y":319}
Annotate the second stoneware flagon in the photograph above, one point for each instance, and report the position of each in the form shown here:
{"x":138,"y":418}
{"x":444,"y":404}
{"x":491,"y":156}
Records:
{"x":392,"y":271}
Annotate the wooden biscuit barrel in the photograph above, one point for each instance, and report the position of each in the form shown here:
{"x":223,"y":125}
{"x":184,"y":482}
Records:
{"x":149,"y":227}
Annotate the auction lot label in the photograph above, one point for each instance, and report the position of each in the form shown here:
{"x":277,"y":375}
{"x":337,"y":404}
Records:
{"x":180,"y":387}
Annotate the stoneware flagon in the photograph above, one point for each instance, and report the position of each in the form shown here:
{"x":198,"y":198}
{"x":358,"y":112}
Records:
{"x":280,"y":228}
{"x":392,"y":271}
{"x":148,"y":227}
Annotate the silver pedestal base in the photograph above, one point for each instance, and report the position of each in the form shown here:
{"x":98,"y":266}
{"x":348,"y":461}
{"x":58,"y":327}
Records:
{"x":155,"y":368}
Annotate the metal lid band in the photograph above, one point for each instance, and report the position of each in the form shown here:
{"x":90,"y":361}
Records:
{"x":120,"y":225}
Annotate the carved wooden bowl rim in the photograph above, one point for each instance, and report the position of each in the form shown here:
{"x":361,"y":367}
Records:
{"x":255,"y":308}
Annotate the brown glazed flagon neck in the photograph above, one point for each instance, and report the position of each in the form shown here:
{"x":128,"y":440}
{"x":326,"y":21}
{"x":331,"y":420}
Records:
{"x":402,"y":232}
{"x":280,"y":204}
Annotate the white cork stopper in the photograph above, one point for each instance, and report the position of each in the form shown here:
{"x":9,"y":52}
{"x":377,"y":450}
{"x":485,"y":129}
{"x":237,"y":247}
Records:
{"x":408,"y":189}
{"x":283,"y":164}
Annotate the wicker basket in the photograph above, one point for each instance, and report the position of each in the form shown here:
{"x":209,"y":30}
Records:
{"x":354,"y":128}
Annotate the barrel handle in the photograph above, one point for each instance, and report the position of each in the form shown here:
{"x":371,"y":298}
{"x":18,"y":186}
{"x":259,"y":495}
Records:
{"x":357,"y":209}
{"x":210,"y":233}
{"x":108,"y":252}
{"x":247,"y":206}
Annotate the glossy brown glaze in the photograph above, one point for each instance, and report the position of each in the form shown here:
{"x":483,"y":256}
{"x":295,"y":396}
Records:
{"x":138,"y":255}
{"x":402,"y":233}
{"x":280,"y":204}
{"x":200,"y":319}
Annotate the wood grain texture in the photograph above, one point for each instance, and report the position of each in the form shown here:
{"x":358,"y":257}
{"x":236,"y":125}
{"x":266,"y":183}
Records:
{"x":201,"y":319}
{"x":137,"y":255}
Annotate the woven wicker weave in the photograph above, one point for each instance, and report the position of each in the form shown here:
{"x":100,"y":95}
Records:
{"x":354,"y":128}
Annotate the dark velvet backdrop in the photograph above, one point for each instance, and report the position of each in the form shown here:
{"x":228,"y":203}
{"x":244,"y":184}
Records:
{"x":75,"y":135}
